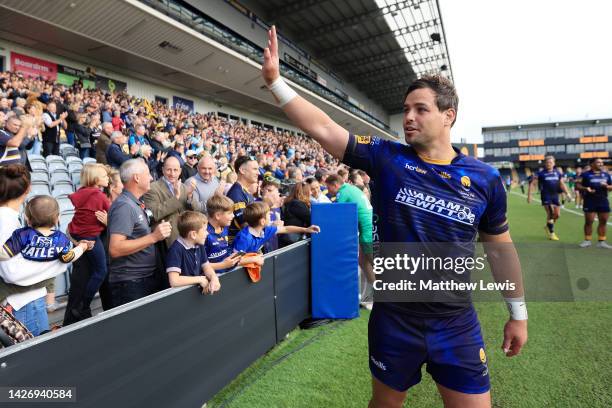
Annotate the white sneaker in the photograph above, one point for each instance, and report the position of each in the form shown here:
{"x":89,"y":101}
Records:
{"x":604,"y":244}
{"x":585,"y":244}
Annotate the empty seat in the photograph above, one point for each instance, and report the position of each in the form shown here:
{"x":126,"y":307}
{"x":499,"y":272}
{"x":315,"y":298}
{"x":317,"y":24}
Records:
{"x":89,"y":160}
{"x":53,"y":158}
{"x":38,"y":165}
{"x":75,"y":167}
{"x":39,"y":176}
{"x":60,"y":176}
{"x":57,"y":166}
{"x":39,"y":189}
{"x":65,"y":218}
{"x":76,"y":179}
{"x":35,"y":157}
{"x":73,"y":159}
{"x":62,"y":189}
{"x":65,"y":205}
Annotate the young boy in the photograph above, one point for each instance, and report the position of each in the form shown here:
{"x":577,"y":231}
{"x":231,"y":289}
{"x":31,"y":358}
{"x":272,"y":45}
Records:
{"x":40,"y":242}
{"x":186,"y":260}
{"x":271,"y":196}
{"x":258,"y":231}
{"x":220,"y":215}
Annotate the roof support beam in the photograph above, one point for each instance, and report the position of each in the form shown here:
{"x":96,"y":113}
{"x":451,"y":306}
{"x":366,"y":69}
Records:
{"x":351,"y":45}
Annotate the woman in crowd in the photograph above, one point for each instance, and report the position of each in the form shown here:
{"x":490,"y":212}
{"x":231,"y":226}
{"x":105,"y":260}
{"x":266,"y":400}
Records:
{"x":296,"y":212}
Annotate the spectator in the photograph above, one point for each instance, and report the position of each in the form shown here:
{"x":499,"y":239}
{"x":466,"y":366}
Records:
{"x":189,"y":169}
{"x":343,"y":174}
{"x":187,"y":263}
{"x":53,"y":123}
{"x":103,"y":143}
{"x":76,"y":309}
{"x":258,"y":231}
{"x":86,"y":225}
{"x":316,"y":195}
{"x":133,"y":264}
{"x":82,"y":135}
{"x":296,"y":212}
{"x":39,"y":242}
{"x":12,"y":138}
{"x":294,"y":175}
{"x":247,"y":172}
{"x":204,"y":184}
{"x":167,"y":197}
{"x":347,"y":193}
{"x":33,"y":110}
{"x":117,"y":122}
{"x":115,"y":154}
{"x":220,"y":216}
{"x":22,"y":281}
{"x":139,"y":137}
{"x":271,"y":196}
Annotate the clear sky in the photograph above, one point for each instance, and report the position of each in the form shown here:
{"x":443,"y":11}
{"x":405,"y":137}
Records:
{"x":528,"y":61}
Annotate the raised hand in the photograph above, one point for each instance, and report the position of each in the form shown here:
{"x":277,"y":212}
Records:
{"x":271,"y":66}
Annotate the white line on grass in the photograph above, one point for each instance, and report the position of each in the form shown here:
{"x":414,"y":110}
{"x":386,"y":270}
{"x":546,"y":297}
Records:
{"x":562,"y":208}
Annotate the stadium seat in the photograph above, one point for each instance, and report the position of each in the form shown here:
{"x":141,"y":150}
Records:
{"x":53,"y":158}
{"x":76,"y":179}
{"x":35,"y":157}
{"x":65,"y":206}
{"x":54,"y":167}
{"x":73,"y":159}
{"x":62,"y":189}
{"x":60,"y":176}
{"x":75,"y":166}
{"x":43,"y":177}
{"x":65,"y":218}
{"x":38,"y":165}
{"x":89,"y":160}
{"x":39,"y":189}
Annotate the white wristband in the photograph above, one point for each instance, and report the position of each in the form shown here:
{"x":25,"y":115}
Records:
{"x":517,"y":308}
{"x":282,"y":92}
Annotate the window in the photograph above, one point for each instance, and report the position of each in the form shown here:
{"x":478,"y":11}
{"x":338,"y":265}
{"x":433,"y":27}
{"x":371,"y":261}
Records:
{"x":488,"y":137}
{"x":535,"y":134}
{"x":557,"y":132}
{"x":571,"y":148}
{"x":506,"y":151}
{"x":516,"y":135}
{"x":574,"y":132}
{"x":608,"y":130}
{"x":523,"y":150}
{"x":560,"y":149}
{"x":497,"y":152}
{"x":514,"y":150}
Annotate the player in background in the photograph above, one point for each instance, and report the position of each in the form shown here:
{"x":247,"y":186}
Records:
{"x":550,"y":182}
{"x":594,"y":186}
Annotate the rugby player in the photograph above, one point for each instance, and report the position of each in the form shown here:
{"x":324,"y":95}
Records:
{"x":550,"y":182}
{"x":594,"y":185}
{"x":404,"y":336}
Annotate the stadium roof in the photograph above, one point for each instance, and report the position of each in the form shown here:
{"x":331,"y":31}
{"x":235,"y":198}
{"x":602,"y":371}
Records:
{"x":381,"y":46}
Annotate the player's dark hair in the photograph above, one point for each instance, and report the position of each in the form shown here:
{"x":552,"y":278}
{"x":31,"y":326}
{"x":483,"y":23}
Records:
{"x":42,"y":211}
{"x":240,"y":161}
{"x":446,"y":94}
{"x":14,"y":182}
{"x":334,"y":179}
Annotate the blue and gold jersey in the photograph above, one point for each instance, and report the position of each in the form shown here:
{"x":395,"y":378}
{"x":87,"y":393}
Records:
{"x":549,"y":182}
{"x":217,"y":244}
{"x":241,"y":199}
{"x":35,"y":246}
{"x":598,"y":181}
{"x":417,"y":200}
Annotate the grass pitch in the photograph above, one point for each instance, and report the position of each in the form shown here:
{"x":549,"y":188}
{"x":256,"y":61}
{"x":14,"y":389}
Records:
{"x":567,"y":361}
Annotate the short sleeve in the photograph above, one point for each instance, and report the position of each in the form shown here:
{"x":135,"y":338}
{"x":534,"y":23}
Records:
{"x":269,"y":232}
{"x":493,"y":221}
{"x":13,"y":245}
{"x":241,"y":243}
{"x":120,"y":219}
{"x":203,"y":255}
{"x":173,"y":259}
{"x":361,"y":152}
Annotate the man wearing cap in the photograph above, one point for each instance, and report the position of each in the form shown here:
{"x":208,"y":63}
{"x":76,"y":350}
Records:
{"x":189,"y":169}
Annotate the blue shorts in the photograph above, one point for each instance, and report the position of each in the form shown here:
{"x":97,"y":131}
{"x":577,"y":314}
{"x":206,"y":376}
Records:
{"x":551,"y":200}
{"x":596,"y":206}
{"x":452,"y":347}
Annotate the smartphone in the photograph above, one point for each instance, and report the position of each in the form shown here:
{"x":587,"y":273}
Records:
{"x":239,"y":253}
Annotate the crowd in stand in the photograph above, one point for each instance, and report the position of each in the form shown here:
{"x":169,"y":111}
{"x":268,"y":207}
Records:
{"x":173,"y":198}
